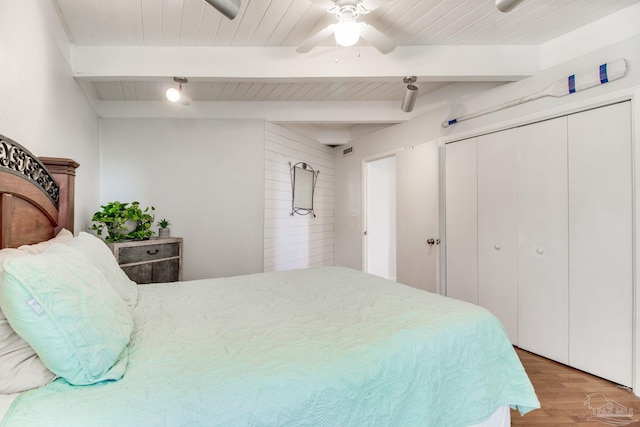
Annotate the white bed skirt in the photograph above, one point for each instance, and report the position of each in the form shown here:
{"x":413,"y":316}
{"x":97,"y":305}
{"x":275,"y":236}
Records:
{"x":500,"y":418}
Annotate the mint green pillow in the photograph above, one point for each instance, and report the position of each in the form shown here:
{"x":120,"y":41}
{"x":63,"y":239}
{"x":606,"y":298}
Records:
{"x":101,"y":256}
{"x":66,"y":310}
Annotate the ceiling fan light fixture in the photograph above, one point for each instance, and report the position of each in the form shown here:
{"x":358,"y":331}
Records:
{"x":348,"y":31}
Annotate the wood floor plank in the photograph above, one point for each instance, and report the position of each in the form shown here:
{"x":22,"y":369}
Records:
{"x":564,"y":396}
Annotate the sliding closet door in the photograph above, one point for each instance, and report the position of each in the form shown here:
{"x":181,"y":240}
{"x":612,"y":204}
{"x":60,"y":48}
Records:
{"x":543,"y":239}
{"x":461,"y":204}
{"x":498,"y":228}
{"x":600,"y":233}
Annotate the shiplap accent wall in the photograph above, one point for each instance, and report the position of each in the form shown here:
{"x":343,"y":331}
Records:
{"x":296,"y":241}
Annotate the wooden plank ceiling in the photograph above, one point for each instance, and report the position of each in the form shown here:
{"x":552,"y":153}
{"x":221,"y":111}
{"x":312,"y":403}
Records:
{"x":195,"y":26}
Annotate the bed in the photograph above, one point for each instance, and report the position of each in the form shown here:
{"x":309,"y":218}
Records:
{"x":327,"y":346}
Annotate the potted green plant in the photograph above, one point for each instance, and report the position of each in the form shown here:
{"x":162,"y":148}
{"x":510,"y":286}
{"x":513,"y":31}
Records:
{"x":124,"y":221}
{"x":164,"y":230}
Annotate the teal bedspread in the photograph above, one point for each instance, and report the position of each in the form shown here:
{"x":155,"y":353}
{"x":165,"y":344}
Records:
{"x":319,"y":347}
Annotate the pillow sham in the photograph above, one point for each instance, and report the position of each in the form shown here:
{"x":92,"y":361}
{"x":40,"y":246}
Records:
{"x":20,"y":367}
{"x":63,"y":306}
{"x":102,"y":257}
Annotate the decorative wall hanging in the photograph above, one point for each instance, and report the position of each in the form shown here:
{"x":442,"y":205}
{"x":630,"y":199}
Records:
{"x":607,"y":72}
{"x":303,"y":186}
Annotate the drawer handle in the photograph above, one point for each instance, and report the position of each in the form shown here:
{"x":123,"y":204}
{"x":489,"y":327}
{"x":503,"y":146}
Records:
{"x":154,"y":252}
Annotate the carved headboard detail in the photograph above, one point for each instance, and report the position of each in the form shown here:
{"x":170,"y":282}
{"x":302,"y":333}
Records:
{"x":36,"y":195}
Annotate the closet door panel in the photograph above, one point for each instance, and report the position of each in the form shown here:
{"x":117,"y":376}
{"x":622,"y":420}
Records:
{"x":498,"y":228}
{"x":543,"y":239}
{"x":600,"y":242}
{"x":461,"y":220}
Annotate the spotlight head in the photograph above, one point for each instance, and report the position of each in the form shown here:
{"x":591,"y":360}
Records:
{"x":228,"y":8}
{"x":409,"y":99}
{"x":173,"y":94}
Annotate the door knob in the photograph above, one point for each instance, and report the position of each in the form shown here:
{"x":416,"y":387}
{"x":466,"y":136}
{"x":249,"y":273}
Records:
{"x":433,"y":241}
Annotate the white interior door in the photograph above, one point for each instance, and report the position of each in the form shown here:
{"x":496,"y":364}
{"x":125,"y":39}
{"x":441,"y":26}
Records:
{"x":600,"y":242}
{"x":543,"y":318}
{"x":498,"y":228}
{"x":461,"y":220}
{"x":418,"y":240}
{"x":380,"y":217}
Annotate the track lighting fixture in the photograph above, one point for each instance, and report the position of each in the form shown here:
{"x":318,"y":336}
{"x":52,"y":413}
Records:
{"x":176,"y":95}
{"x":410,"y":94}
{"x":507,"y":5}
{"x":228,"y":8}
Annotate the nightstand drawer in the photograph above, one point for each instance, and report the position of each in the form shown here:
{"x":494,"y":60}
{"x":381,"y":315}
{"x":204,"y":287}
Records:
{"x":132,"y":254}
{"x":150,"y":261}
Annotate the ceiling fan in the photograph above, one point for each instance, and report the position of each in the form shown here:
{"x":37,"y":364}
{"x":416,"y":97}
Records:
{"x":348,"y":29}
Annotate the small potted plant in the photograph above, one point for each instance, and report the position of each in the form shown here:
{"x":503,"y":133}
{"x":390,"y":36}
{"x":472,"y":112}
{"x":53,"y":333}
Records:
{"x":164,"y":230}
{"x":124,"y":221}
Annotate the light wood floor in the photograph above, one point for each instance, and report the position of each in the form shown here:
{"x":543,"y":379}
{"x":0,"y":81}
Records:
{"x":562,"y":392}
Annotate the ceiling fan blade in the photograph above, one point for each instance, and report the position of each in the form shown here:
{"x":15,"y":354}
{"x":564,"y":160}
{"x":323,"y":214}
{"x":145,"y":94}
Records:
{"x":316,"y":39}
{"x":325,"y":4}
{"x":374,"y":4}
{"x":376,"y":38}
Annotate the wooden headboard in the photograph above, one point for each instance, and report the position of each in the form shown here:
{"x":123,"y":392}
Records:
{"x":36,"y":195}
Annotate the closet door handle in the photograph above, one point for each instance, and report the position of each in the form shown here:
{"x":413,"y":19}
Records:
{"x":539,"y":251}
{"x":154,"y":252}
{"x":497,"y":247}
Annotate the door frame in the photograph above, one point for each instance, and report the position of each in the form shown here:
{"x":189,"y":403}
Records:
{"x":363,"y":179}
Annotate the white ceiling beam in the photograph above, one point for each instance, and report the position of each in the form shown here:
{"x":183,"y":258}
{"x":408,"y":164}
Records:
{"x":337,"y":112}
{"x":304,"y":111}
{"x":429,"y":63}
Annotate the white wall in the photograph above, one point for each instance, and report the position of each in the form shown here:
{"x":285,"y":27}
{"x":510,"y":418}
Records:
{"x":41,"y":105}
{"x":296,"y":241}
{"x":205,"y":175}
{"x":348,"y":197}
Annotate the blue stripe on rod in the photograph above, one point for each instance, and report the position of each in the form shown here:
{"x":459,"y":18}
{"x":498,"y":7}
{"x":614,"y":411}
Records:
{"x":603,"y":74}
{"x":453,"y":121}
{"x":572,"y":83}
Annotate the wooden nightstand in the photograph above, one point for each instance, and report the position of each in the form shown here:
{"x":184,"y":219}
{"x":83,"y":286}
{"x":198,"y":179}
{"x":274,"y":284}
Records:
{"x":150,"y":261}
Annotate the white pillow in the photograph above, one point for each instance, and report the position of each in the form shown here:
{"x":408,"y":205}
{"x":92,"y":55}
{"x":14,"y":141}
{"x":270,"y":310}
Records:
{"x":102,"y":257}
{"x":63,"y":306}
{"x":64,"y":237}
{"x":20,"y":367}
